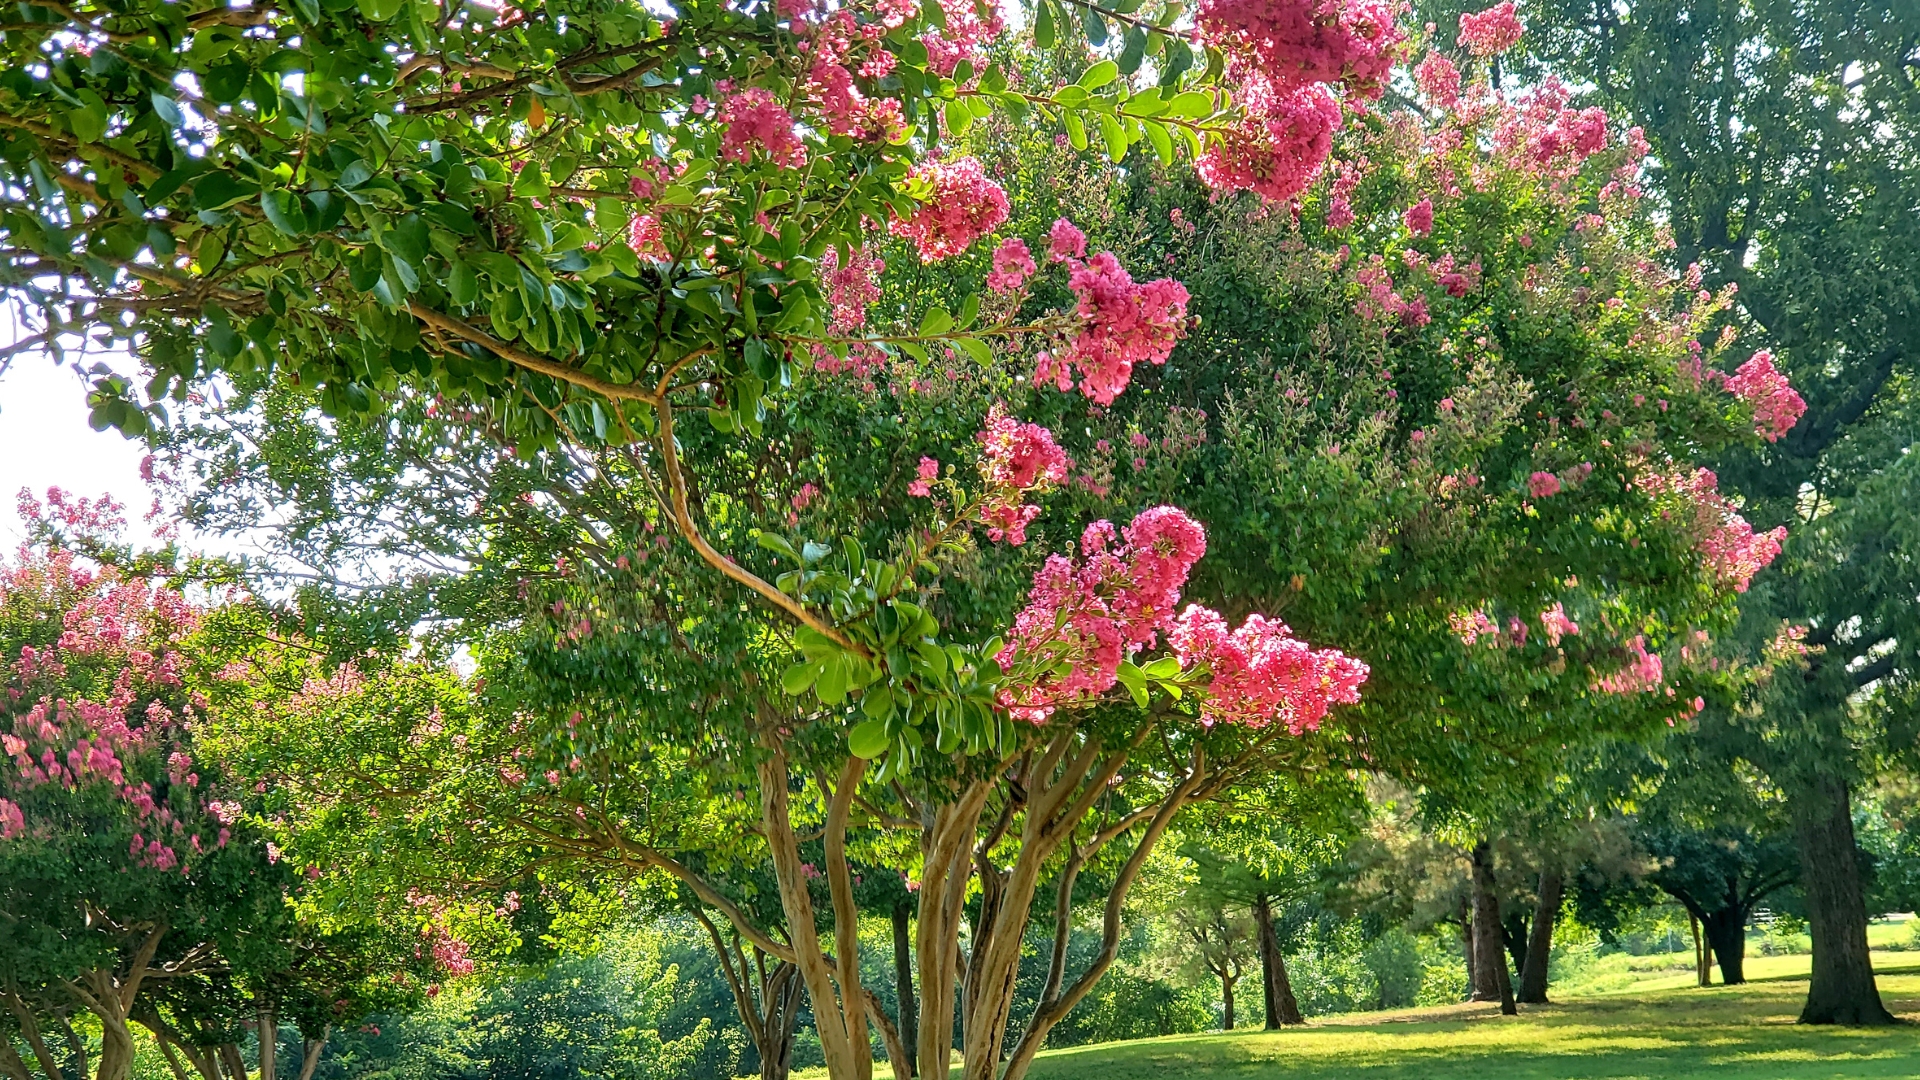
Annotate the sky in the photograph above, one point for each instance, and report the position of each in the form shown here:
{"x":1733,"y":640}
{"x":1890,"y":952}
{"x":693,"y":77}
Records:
{"x":45,"y":442}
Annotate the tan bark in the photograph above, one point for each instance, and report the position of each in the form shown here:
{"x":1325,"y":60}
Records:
{"x":267,"y":1033}
{"x":30,"y":1031}
{"x":311,"y":1049}
{"x":946,"y":848}
{"x":10,"y":1064}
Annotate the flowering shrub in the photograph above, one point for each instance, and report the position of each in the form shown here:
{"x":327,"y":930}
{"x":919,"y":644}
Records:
{"x":1776,"y":405}
{"x":962,"y":206}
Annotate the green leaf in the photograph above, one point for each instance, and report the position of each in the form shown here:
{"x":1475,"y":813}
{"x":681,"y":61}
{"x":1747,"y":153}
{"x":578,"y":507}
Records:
{"x":1164,"y":668}
{"x":283,"y":211}
{"x":88,"y":124}
{"x":463,"y":284}
{"x":935,"y":321}
{"x":1094,"y":25}
{"x":877,"y":703}
{"x":1174,"y":64}
{"x":1115,"y":134}
{"x":168,"y":111}
{"x":1162,"y":142}
{"x":868,"y":739}
{"x":532,"y":183}
{"x":777,"y":544}
{"x":380,"y":10}
{"x":1133,"y":50}
{"x":799,"y":678}
{"x":1043,"y":30}
{"x":218,"y":189}
{"x":832,"y":686}
{"x":1191,"y":105}
{"x":1076,"y":131}
{"x":1100,"y":75}
{"x":959,"y":118}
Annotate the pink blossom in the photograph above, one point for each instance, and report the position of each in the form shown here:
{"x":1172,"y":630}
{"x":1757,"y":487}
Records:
{"x":1012,"y":265}
{"x":1643,"y":674}
{"x":1297,"y":42}
{"x":1122,"y":324}
{"x":755,"y":120}
{"x":645,"y":237}
{"x":1557,"y":624}
{"x":1490,"y":32}
{"x":1439,"y":80}
{"x":1279,"y":145}
{"x":1471,"y":626}
{"x":13,"y":823}
{"x":1776,"y":405}
{"x":928,"y":472}
{"x":850,"y":288}
{"x":962,"y":37}
{"x":1083,"y":617}
{"x":1543,"y":484}
{"x":1065,"y":241}
{"x":963,"y":206}
{"x":1729,"y":548}
{"x":1016,"y":458}
{"x":1261,"y":674}
{"x":1419,"y":218}
{"x":847,"y":111}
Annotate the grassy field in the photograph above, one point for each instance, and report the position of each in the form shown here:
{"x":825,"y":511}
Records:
{"x":1661,"y":1029}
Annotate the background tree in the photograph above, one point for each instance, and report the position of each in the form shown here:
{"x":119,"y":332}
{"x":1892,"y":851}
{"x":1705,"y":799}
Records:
{"x":1779,"y":133}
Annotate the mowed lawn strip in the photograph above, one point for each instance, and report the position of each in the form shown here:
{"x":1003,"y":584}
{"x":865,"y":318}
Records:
{"x":1733,"y":1032}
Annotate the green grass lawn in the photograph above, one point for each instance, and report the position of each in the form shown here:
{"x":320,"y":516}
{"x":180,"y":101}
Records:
{"x":1654,"y":1031}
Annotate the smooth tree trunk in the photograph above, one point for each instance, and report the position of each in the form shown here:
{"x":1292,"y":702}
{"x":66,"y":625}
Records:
{"x":903,"y":980}
{"x":1726,"y":939}
{"x":1842,"y":990}
{"x":311,"y":1050}
{"x":1467,"y":946}
{"x":267,"y":1031}
{"x":1226,"y":1000}
{"x":11,"y":1066}
{"x":1702,"y":971}
{"x":1492,"y":982}
{"x":1282,"y":1008}
{"x":1546,"y":911}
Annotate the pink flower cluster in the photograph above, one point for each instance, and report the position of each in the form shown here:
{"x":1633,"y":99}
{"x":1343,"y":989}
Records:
{"x":1471,"y":626}
{"x":924,"y":476}
{"x":1419,"y":218}
{"x":1777,"y":406}
{"x":1557,"y":624}
{"x":1278,"y":146}
{"x":836,"y":45}
{"x":1012,"y":265}
{"x":1642,"y":675}
{"x":13,"y":823}
{"x":1490,"y":32}
{"x":1297,"y":42}
{"x":1541,"y":485}
{"x":1261,"y":673}
{"x":755,"y":120}
{"x":1083,"y":617}
{"x":1122,"y":324}
{"x":1541,"y":134}
{"x":850,"y":288}
{"x":963,"y":206}
{"x":1438,"y":80}
{"x":1729,"y":547}
{"x":1016,"y":458}
{"x":963,"y":36}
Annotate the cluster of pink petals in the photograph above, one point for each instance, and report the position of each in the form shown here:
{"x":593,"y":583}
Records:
{"x":924,"y":476}
{"x":1556,"y":622}
{"x":1490,"y":32}
{"x":1729,"y":547}
{"x":963,"y":36}
{"x":1296,"y":42}
{"x":13,"y":823}
{"x":1278,"y":147}
{"x":1261,"y":673}
{"x":1012,"y":265}
{"x":645,"y":237}
{"x":1642,"y":675}
{"x":1542,"y":485}
{"x":1065,"y":242}
{"x":964,"y":206}
{"x":1016,"y":459}
{"x":1541,"y":134}
{"x":1122,"y":324}
{"x":1082,"y":618}
{"x":1777,"y":406}
{"x":1438,"y":80}
{"x":1419,"y":218}
{"x":755,"y":120}
{"x":848,"y":111}
{"x":1471,"y":626}
{"x":852,"y":287}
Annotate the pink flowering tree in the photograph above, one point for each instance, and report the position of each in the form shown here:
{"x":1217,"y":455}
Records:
{"x":139,"y":893}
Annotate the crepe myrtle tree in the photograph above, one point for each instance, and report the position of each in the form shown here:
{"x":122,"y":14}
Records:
{"x":525,"y":243}
{"x":136,"y":892}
